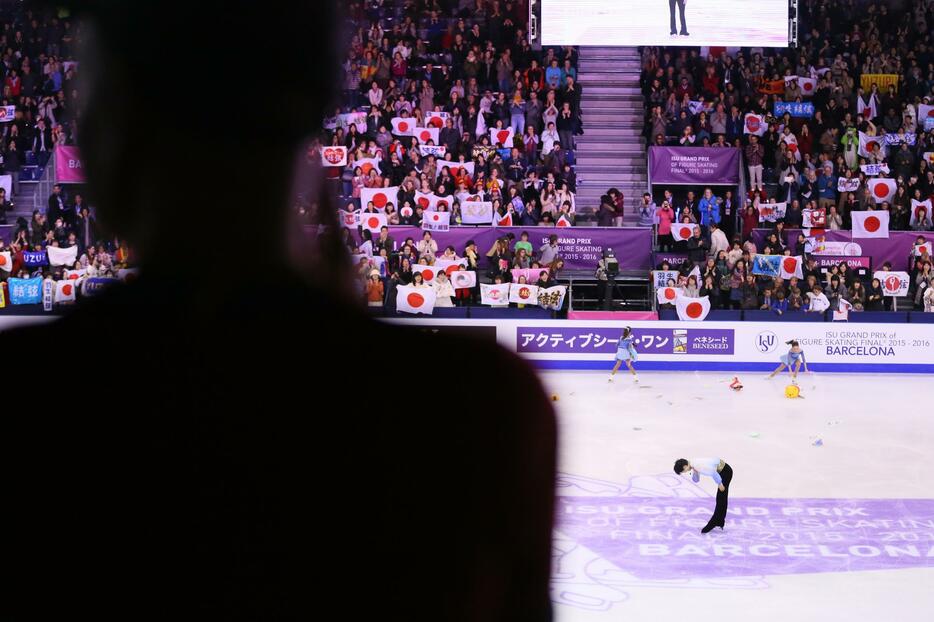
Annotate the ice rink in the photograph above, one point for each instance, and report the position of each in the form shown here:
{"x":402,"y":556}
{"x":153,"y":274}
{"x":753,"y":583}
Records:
{"x":831,"y":504}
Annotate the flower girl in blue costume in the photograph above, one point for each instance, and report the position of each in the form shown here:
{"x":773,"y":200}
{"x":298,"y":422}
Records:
{"x":793,"y":361}
{"x":626,"y":351}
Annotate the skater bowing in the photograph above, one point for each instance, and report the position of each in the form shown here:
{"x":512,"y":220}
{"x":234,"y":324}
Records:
{"x":721,"y":473}
{"x":793,"y":361}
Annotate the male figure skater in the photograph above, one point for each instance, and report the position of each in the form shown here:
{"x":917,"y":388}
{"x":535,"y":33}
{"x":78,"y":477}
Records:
{"x":721,"y":473}
{"x":671,"y":11}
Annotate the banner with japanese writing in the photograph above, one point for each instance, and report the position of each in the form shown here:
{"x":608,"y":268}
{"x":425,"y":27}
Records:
{"x":25,"y":291}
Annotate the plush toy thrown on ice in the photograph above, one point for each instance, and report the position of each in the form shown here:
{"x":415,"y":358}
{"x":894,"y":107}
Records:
{"x":736,"y":385}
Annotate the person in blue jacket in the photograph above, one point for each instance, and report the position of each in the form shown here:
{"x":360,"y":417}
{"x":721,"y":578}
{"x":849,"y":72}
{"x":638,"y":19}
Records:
{"x":709,"y":207}
{"x":626,"y":351}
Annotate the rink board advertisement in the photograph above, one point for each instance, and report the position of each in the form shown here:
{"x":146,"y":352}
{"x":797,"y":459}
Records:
{"x":712,"y":346}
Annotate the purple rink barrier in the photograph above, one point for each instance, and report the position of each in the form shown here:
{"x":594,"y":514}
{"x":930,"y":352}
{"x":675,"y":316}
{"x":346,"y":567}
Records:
{"x":659,"y":538}
{"x":896,"y":249}
{"x":580,"y":247}
{"x":694,"y":165}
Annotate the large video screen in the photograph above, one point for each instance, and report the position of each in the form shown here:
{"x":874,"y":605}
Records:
{"x":763,"y":23}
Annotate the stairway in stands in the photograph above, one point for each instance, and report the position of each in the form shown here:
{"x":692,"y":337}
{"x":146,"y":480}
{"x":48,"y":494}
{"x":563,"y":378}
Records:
{"x":611,"y":153}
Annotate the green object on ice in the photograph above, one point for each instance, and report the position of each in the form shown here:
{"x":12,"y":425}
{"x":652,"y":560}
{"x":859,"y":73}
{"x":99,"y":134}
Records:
{"x":754,"y":434}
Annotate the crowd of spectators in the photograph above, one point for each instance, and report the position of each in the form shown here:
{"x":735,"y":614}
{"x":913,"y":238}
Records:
{"x":470,"y":71}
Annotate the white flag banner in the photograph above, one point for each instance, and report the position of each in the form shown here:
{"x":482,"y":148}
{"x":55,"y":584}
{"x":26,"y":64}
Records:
{"x":867,"y":102}
{"x":552,"y":297}
{"x":494,"y":295}
{"x":75,"y":275}
{"x":925,"y":111}
{"x":920,"y":249}
{"x":874,"y":169}
{"x":920,"y":213}
{"x":6,"y":261}
{"x":379,"y":196}
{"x":882,"y":189}
{"x":373,"y":221}
{"x":791,"y":267}
{"x":62,"y":256}
{"x":436,"y":119}
{"x":457,"y":169}
{"x":502,"y":137}
{"x":563,"y":221}
{"x":428,"y":272}
{"x":368,"y":164}
{"x":873,"y":224}
{"x":792,"y":143}
{"x":842,"y":314}
{"x":351,"y":220}
{"x":425,"y":134}
{"x":505,"y":221}
{"x":65,"y":291}
{"x":807,"y":85}
{"x":353,"y":118}
{"x":692,"y":309}
{"x":477,"y":212}
{"x":754,"y":124}
{"x":893,"y":283}
{"x":435,"y":150}
{"x":667,"y":295}
{"x":402,"y":126}
{"x":334,"y":156}
{"x":847,"y":185}
{"x":7,"y":113}
{"x":463,"y":279}
{"x":411,"y":299}
{"x":770,"y":212}
{"x":660,"y":278}
{"x":868,"y":144}
{"x":523,"y":293}
{"x":814,"y":218}
{"x":445,"y":202}
{"x":696,"y":107}
{"x":450,"y":266}
{"x":682,"y":231}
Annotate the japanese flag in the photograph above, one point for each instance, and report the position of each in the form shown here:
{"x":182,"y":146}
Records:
{"x":411,"y":299}
{"x":426,"y":201}
{"x":667,"y":295}
{"x":435,"y":119}
{"x":843,"y":311}
{"x":368,"y":164}
{"x":65,"y":291}
{"x":882,"y":189}
{"x":792,"y":143}
{"x":927,"y":247}
{"x":379,"y":196}
{"x":75,"y":275}
{"x":477,"y":213}
{"x":428,"y":272}
{"x":925,"y":111}
{"x":450,"y":266}
{"x":893,"y":283}
{"x":403,"y":126}
{"x":867,"y":145}
{"x":457,"y":169}
{"x":463,"y":279}
{"x":351,"y":220}
{"x":754,"y":124}
{"x":682,"y":231}
{"x":425,"y":134}
{"x":791,"y":266}
{"x":62,"y":256}
{"x":406,"y":211}
{"x":6,"y":261}
{"x":523,"y":293}
{"x":436,"y":221}
{"x":563,"y":221}
{"x":373,"y":222}
{"x":692,"y":309}
{"x":444,"y":202}
{"x":920,"y":212}
{"x":505,"y":221}
{"x":873,"y":224}
{"x":807,"y":86}
{"x":503,"y":137}
{"x":494,"y":295}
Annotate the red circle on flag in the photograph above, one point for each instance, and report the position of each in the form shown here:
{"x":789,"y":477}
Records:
{"x":66,"y":289}
{"x":380,"y":199}
{"x":808,"y":86}
{"x":435,"y":217}
{"x":423,"y":201}
{"x":686,"y":232}
{"x":366,"y":167}
{"x":406,"y":211}
{"x":524,"y":292}
{"x":436,"y":122}
{"x":870,"y":146}
{"x":452,"y":269}
{"x":425,"y":136}
{"x":893,"y":283}
{"x":2,"y":260}
{"x":73,"y":277}
{"x":880,"y":190}
{"x":428,"y":275}
{"x":790,"y":264}
{"x":372,"y":223}
{"x":695,"y":309}
{"x":403,"y":126}
{"x":415,"y":300}
{"x":669,"y":293}
{"x":752,"y":123}
{"x":502,"y":136}
{"x":931,"y":112}
{"x":872,"y":224}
